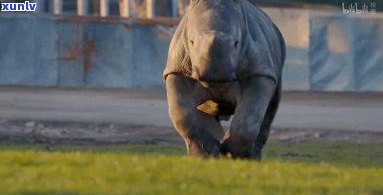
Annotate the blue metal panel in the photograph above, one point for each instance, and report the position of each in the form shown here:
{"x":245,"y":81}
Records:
{"x":28,"y":53}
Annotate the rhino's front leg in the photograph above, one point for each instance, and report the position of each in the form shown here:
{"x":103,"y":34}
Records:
{"x":248,"y":117}
{"x":200,"y":131}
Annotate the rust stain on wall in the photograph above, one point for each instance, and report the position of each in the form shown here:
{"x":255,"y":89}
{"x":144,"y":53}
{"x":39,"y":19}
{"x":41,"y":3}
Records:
{"x":72,"y":51}
{"x":89,"y":50}
{"x":75,"y":51}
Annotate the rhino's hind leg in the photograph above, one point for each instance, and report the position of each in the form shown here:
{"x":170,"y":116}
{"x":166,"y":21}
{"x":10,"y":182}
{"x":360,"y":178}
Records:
{"x":184,"y":95}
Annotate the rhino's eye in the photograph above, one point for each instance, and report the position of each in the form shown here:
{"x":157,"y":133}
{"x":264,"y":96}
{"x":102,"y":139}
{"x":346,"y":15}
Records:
{"x":191,"y":42}
{"x":236,"y":44}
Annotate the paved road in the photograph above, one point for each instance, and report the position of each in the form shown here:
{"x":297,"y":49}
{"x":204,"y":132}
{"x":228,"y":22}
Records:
{"x":298,"y":110}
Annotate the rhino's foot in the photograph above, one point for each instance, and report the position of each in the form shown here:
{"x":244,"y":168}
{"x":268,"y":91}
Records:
{"x":203,"y":147}
{"x":241,"y":148}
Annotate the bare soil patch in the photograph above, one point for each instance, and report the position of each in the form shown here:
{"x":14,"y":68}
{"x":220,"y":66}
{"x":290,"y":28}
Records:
{"x":96,"y":133}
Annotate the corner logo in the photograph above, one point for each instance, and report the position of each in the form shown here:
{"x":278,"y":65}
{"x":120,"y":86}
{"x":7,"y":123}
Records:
{"x":18,"y":7}
{"x":355,"y":8}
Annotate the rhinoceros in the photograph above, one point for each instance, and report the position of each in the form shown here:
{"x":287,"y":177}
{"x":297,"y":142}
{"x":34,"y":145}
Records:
{"x":225,"y":59}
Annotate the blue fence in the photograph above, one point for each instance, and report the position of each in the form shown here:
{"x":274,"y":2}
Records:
{"x":346,"y":53}
{"x":337,"y":53}
{"x":52,"y":51}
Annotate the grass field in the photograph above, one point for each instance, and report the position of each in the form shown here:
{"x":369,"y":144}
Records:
{"x":304,"y":168}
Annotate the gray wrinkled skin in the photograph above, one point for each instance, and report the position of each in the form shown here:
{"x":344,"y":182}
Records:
{"x":225,"y":58}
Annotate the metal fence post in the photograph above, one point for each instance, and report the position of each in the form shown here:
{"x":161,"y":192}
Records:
{"x":150,"y":8}
{"x":82,"y":7}
{"x":104,"y":8}
{"x":125,"y":8}
{"x":57,"y":7}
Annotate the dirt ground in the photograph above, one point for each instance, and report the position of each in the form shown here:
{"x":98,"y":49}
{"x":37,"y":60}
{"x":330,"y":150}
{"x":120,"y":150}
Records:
{"x":96,"y":133}
{"x":104,"y":116}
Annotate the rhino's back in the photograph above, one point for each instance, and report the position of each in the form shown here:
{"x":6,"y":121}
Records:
{"x":262,"y":33}
{"x":266,"y":47}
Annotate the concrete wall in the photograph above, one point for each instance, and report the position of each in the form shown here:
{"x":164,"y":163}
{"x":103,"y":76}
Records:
{"x":346,"y":53}
{"x":51,"y":51}
{"x":294,"y":25}
{"x":324,"y":51}
{"x":330,"y":51}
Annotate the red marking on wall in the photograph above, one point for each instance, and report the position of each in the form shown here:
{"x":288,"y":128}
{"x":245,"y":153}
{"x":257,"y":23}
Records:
{"x":72,"y":51}
{"x":88,"y":51}
{"x":75,"y":51}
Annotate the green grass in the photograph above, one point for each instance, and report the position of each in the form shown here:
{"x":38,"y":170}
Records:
{"x":305,"y":168}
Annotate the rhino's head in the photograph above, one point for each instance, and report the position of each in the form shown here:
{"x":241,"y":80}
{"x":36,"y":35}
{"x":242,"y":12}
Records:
{"x":214,"y":39}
